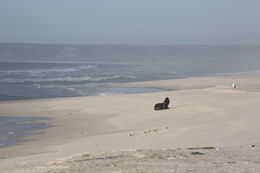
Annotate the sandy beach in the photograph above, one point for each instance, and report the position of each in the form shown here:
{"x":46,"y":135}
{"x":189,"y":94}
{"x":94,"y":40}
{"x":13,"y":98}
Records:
{"x":210,"y":127}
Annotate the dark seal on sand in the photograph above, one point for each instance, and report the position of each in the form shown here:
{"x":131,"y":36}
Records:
{"x":163,"y":105}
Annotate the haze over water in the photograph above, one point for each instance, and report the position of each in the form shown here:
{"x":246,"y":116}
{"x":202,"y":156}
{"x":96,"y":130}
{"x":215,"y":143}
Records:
{"x":31,"y":71}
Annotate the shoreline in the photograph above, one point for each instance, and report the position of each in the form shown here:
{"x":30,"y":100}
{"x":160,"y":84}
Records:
{"x":108,"y":91}
{"x":204,"y":112}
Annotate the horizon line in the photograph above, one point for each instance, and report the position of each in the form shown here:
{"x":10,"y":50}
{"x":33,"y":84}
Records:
{"x":127,"y":44}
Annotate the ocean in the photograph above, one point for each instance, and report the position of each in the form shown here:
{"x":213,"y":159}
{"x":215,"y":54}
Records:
{"x":13,"y":128}
{"x":23,"y":77}
{"x":23,"y":81}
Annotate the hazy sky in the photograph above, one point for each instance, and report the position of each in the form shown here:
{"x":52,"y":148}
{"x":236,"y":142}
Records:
{"x":130,"y":21}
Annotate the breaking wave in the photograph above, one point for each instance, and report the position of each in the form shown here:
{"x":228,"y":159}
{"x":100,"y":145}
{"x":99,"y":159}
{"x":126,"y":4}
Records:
{"x":51,"y":70}
{"x":67,"y":79}
{"x":49,"y":80}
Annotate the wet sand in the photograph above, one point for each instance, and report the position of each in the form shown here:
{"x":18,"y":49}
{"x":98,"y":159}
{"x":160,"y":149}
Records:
{"x":210,"y":127}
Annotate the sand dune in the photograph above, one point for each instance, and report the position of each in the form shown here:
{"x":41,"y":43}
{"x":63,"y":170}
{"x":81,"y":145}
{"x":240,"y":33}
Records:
{"x":210,"y":127}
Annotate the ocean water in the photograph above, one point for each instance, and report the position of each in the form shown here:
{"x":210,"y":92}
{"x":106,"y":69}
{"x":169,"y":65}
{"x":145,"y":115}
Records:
{"x":13,"y":128}
{"x":21,"y":81}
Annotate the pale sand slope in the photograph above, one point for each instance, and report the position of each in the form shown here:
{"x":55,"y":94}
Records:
{"x":124,"y":134}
